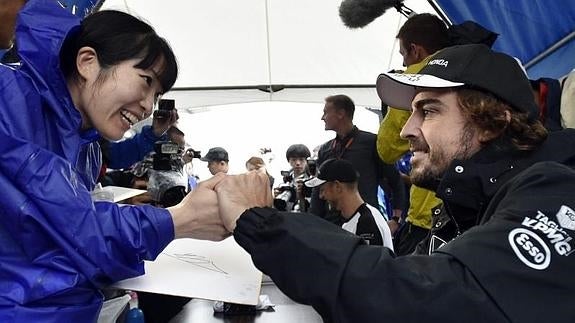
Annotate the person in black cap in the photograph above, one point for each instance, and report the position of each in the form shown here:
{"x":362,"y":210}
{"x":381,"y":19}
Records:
{"x":337,"y":182}
{"x":502,"y":244}
{"x":217,"y":159}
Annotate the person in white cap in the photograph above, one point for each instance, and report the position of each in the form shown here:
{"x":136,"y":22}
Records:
{"x":503,"y":247}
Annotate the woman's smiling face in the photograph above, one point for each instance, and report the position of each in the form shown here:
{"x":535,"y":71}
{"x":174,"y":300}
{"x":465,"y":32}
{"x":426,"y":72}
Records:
{"x":112,"y":100}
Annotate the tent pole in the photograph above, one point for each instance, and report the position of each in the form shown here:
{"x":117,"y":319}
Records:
{"x":550,"y":50}
{"x":440,"y":12}
{"x":395,"y":41}
{"x":271,"y":91}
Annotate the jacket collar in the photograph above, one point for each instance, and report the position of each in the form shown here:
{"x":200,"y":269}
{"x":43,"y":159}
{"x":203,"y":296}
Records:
{"x":471,"y":183}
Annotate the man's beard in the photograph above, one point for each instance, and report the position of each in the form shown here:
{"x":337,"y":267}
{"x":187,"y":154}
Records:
{"x":430,"y":174}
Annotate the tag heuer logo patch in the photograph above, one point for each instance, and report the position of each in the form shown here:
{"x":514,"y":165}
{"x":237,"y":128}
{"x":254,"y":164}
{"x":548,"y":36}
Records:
{"x":566,"y":217}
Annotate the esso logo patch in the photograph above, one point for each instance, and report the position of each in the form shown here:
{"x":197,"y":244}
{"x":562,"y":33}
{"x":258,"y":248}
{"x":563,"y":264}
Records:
{"x":530,"y":248}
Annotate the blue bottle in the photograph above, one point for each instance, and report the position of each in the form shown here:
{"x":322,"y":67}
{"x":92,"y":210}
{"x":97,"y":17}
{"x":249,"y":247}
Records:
{"x":134,"y":315}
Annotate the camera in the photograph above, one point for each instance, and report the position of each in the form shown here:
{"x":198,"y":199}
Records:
{"x":191,"y":153}
{"x":167,"y":181}
{"x":167,"y":188}
{"x":287,"y":176}
{"x":164,"y":108}
{"x":285,"y":198}
{"x":312,"y":167}
{"x":166,"y":156}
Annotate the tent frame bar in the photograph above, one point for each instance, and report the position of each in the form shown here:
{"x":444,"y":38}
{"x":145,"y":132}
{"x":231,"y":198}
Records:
{"x":550,"y":50}
{"x":440,"y":12}
{"x":274,"y":87}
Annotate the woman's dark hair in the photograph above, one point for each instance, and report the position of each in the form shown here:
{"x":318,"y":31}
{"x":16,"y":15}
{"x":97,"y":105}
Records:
{"x":116,"y":37}
{"x":297,"y":151}
{"x":488,"y":113}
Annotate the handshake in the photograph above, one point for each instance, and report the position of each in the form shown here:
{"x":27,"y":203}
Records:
{"x":210,"y":211}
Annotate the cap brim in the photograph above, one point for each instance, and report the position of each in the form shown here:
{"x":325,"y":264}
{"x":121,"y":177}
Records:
{"x":205,"y":159}
{"x":314,"y":182}
{"x":397,"y":90}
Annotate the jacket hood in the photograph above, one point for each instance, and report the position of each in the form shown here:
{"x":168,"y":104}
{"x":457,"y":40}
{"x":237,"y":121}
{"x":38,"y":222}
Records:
{"x":41,"y":29}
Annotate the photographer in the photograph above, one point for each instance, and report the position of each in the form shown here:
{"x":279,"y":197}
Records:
{"x":257,"y":163}
{"x":292,"y":195}
{"x":218,"y":160}
{"x":123,"y":154}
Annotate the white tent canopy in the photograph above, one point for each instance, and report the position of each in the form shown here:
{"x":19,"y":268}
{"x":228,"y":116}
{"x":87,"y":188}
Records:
{"x":257,"y":43}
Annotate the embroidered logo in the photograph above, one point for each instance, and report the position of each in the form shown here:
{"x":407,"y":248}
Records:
{"x":409,"y":77}
{"x":530,"y":248}
{"x":566,"y":217}
{"x":441,"y":62}
{"x":435,"y":243}
{"x":562,"y":242}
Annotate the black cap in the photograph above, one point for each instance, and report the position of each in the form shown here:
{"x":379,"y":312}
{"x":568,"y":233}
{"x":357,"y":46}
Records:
{"x":333,"y":170}
{"x":216,"y":153}
{"x":475,"y":66}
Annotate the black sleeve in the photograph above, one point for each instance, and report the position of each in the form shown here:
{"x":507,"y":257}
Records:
{"x":317,"y":263}
{"x":317,"y":205}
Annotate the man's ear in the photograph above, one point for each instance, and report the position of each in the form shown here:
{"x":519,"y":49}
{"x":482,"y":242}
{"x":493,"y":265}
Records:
{"x":338,"y":186}
{"x":87,"y":63}
{"x":419,"y":52}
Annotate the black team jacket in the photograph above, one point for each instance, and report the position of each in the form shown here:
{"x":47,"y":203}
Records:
{"x":513,"y":265}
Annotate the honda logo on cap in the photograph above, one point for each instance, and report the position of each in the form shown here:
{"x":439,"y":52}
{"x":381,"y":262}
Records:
{"x":441,"y":62}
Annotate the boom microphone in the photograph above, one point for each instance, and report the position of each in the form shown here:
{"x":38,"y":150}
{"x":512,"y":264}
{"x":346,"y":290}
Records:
{"x":359,"y":13}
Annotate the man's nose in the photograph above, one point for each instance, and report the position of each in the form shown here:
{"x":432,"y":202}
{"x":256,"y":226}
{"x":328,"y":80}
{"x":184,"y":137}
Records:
{"x":410,"y":128}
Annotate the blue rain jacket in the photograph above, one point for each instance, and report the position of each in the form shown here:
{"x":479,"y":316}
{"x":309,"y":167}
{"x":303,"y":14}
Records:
{"x":57,"y":247}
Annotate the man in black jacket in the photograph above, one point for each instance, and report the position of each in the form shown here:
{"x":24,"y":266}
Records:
{"x":359,"y":148}
{"x":501,"y":247}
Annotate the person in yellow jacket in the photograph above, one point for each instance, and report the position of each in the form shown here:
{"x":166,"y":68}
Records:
{"x":419,"y":38}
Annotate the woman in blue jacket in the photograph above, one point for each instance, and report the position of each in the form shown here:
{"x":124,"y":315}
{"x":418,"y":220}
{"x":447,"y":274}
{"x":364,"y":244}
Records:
{"x":74,"y":83}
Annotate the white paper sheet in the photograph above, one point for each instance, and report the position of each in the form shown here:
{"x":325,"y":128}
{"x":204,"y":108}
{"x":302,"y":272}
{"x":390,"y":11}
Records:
{"x":122,"y":193}
{"x":201,"y":269}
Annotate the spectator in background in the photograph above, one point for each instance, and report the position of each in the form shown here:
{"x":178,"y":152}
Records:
{"x":337,"y":183}
{"x":123,"y":154}
{"x":358,"y":147}
{"x":257,"y":163}
{"x":177,"y":136}
{"x":567,"y":108}
{"x":297,"y":155}
{"x":217,"y":159}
